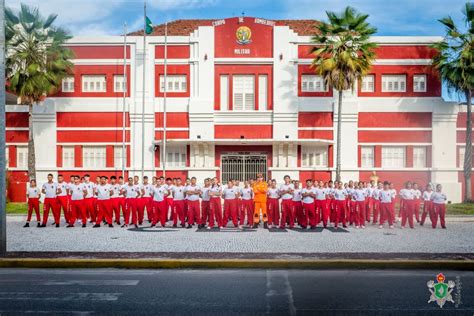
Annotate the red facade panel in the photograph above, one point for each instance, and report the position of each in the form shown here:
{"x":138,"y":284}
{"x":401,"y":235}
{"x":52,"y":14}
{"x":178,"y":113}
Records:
{"x":395,"y":119}
{"x":92,"y":136}
{"x":461,"y":120}
{"x":172,"y":70}
{"x":399,"y":177}
{"x":461,"y":136}
{"x":394,"y":136}
{"x":247,"y":131}
{"x":17,"y":184}
{"x":172,"y":135}
{"x":173,"y":119}
{"x":91,"y":119}
{"x":385,"y":52}
{"x":172,"y":51}
{"x":314,"y":175}
{"x":99,"y":52}
{"x":315,"y":134}
{"x":16,"y":136}
{"x":16,"y":119}
{"x":315,"y":119}
{"x":227,"y":42}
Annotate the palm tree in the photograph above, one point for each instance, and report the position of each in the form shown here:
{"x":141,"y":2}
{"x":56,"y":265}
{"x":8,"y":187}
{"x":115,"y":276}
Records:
{"x":343,"y":56}
{"x":454,"y":62}
{"x":36,"y":62}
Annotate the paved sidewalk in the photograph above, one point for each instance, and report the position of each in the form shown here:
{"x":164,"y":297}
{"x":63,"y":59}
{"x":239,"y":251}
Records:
{"x":456,"y":239}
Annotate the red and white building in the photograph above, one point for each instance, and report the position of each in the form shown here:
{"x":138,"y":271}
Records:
{"x":236,"y":105}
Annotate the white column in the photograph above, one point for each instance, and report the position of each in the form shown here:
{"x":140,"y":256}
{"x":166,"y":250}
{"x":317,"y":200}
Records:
{"x":44,"y":134}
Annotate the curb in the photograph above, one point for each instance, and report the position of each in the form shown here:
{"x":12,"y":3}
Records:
{"x":466,"y":265}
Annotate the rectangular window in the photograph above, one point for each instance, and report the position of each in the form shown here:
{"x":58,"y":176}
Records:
{"x":419,"y":83}
{"x":244,"y":93}
{"x":367,"y":157}
{"x":367,"y":84}
{"x":394,"y":83}
{"x":93,"y":157}
{"x":93,"y":83}
{"x":419,"y":157}
{"x":68,"y":156}
{"x":462,"y":151}
{"x":176,"y":156}
{"x":313,"y":83}
{"x":262,"y":92}
{"x":224,"y":92}
{"x":393,"y":157}
{"x":68,"y":84}
{"x":174,"y":83}
{"x":22,"y":157}
{"x":120,"y":83}
{"x":120,"y":156}
{"x":312,"y":157}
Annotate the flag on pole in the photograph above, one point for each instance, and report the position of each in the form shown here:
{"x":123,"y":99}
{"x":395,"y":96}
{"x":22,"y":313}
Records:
{"x":149,"y":26}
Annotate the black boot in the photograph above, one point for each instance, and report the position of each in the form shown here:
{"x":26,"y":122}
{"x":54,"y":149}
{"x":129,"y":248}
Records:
{"x":110,"y":225}
{"x":57,"y":225}
{"x":255,"y":225}
{"x":27,"y":224}
{"x":96,"y":226}
{"x":38,"y":224}
{"x":84,"y":225}
{"x":265,"y":225}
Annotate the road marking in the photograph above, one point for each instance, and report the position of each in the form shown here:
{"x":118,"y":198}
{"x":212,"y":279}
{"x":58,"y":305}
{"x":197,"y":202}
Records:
{"x":93,"y":282}
{"x":279,"y":291}
{"x":58,"y":296}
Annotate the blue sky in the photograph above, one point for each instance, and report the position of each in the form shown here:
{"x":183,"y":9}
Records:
{"x":106,"y":17}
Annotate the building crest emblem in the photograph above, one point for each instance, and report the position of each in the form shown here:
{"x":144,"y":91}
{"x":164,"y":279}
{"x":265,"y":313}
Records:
{"x":243,"y":35}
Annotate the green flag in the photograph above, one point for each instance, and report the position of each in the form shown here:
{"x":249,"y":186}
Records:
{"x":149,"y":26}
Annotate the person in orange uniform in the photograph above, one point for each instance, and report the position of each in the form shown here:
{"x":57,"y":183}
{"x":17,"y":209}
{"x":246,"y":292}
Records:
{"x":260,"y":189}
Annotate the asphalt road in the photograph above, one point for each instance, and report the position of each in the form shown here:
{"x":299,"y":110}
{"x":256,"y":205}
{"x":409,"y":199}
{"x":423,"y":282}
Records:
{"x":209,"y":292}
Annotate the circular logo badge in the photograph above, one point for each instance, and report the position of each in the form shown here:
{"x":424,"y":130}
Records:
{"x":243,"y":35}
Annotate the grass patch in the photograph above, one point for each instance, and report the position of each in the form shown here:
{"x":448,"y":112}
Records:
{"x":19,"y":208}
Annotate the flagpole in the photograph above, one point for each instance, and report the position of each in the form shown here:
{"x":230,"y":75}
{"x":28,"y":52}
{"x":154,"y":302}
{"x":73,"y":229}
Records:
{"x":124,"y":96}
{"x":164,"y":99}
{"x":144,"y":87}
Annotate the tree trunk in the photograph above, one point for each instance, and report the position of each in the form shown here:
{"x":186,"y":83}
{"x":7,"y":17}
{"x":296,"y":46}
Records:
{"x":31,"y":145}
{"x":338,"y":141}
{"x":468,"y":150}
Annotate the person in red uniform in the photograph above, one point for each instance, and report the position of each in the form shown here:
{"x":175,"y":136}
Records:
{"x":193,"y":192}
{"x":115,"y":199}
{"x":103,"y":192}
{"x":131,"y":192}
{"x":300,"y":217}
{"x":178,"y":204}
{"x":89,"y":200}
{"x":63,"y":198}
{"x":33,"y":195}
{"x":309,"y":194}
{"x":340,"y":199}
{"x":408,"y":204}
{"x":205,"y":202}
{"x":273,"y":205}
{"x":78,"y":192}
{"x":427,"y":204}
{"x":246,"y":194}
{"x":286,"y":193}
{"x":215,"y":206}
{"x":439,"y":207}
{"x":50,"y":191}
{"x":386,"y":197}
{"x":230,"y":194}
{"x":159,"y":195}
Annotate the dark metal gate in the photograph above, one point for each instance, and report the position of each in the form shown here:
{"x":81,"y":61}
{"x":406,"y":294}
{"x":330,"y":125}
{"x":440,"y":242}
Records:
{"x":243,"y":166}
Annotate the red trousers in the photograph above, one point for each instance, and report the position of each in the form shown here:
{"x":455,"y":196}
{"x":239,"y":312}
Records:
{"x":104,"y":210}
{"x":33,"y":204}
{"x":205,"y":211}
{"x":309,"y":209}
{"x":159,"y":212}
{"x":230,"y":211}
{"x":376,"y":211}
{"x":247,"y":209}
{"x":407,"y":212}
{"x":273,"y":211}
{"x":298,"y":211}
{"x":331,"y":207}
{"x":322,"y":210}
{"x":438,"y":210}
{"x":416,"y":209}
{"x":360,"y":213}
{"x":427,"y":211}
{"x":369,"y":203}
{"x":287,"y":213}
{"x":115,"y":204}
{"x":90,"y":210}
{"x":386,"y":213}
{"x":142,"y":203}
{"x":340,"y":212}
{"x":215,"y":208}
{"x":169,"y":208}
{"x":63,"y":203}
{"x":131,"y":208}
{"x":50,"y":204}
{"x":392,"y":209}
{"x":78,"y":209}
{"x":178,"y":211}
{"x":194,"y":212}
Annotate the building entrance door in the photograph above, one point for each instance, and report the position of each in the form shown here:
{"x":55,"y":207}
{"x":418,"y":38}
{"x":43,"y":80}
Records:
{"x":243,"y":166}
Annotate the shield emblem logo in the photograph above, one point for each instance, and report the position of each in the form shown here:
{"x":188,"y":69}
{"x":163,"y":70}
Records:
{"x":441,"y":291}
{"x":243,"y":35}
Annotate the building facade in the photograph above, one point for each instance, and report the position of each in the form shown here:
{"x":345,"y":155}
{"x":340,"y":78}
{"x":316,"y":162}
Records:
{"x":241,"y":97}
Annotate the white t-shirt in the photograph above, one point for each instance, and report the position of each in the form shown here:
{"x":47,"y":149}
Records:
{"x":427,"y":195}
{"x":308,"y":199}
{"x":439,"y":197}
{"x":394,"y":193}
{"x":159,"y":193}
{"x":320,"y":193}
{"x":33,"y":193}
{"x":169,"y":188}
{"x":297,"y":195}
{"x":205,"y":193}
{"x":230,"y":193}
{"x":216,"y":189}
{"x":115,"y":190}
{"x":273,"y":193}
{"x":376,"y":194}
{"x":148,"y":188}
{"x":340,"y":194}
{"x":360,"y":194}
{"x":370,"y":191}
{"x":287,"y":187}
{"x":77,"y":191}
{"x":246,"y":193}
{"x":196,"y":189}
{"x":103,"y":191}
{"x":417,"y":194}
{"x":50,"y":190}
{"x":178,"y":193}
{"x":131,"y":191}
{"x":64,"y":187}
{"x":386,"y":196}
{"x":407,"y":194}
{"x":90,"y":189}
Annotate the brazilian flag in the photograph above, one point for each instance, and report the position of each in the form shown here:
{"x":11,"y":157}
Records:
{"x":149,"y":26}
